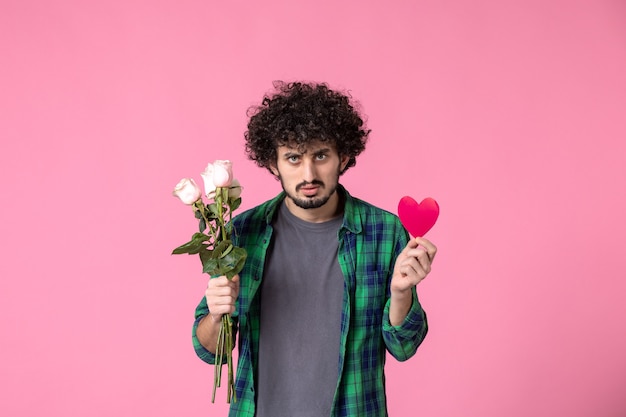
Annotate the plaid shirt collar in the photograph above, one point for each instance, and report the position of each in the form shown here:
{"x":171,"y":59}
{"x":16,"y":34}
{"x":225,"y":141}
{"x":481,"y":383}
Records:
{"x":351,"y":215}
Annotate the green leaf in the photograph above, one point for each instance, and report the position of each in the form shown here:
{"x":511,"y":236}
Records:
{"x":211,"y":213}
{"x":201,"y":225}
{"x":213,"y":210}
{"x":227,"y":251}
{"x":205,"y":255}
{"x":230,"y":265}
{"x":221,"y":248}
{"x":210,"y":266}
{"x":231,"y":261}
{"x":239,"y":256}
{"x":234,"y":204}
{"x":198,"y":214}
{"x":195,"y":245}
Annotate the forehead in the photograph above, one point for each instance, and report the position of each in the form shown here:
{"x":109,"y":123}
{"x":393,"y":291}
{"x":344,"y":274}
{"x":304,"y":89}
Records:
{"x":306,"y":148}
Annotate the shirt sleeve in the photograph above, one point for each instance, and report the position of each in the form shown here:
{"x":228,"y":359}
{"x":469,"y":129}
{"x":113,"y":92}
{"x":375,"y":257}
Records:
{"x":201,"y":311}
{"x":403,"y":340}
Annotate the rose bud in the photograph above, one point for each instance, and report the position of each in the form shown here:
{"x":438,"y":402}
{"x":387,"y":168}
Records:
{"x":235,"y":189}
{"x":209,"y":186}
{"x":187,"y":191}
{"x":222,"y":173}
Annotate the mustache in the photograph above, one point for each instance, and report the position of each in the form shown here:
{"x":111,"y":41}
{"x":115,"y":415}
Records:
{"x":305,"y":183}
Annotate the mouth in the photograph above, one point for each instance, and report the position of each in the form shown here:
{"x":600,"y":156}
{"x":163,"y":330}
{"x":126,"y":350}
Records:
{"x":309,"y":190}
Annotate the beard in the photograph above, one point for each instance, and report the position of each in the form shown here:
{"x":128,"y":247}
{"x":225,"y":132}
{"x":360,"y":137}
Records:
{"x":314,"y":201}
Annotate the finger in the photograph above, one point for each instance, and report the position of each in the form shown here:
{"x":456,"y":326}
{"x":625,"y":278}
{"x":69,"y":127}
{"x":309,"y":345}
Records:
{"x":419,"y":252}
{"x":415,"y":264}
{"x":228,"y":301}
{"x":409,"y":252}
{"x":235,"y":281}
{"x":412,"y":271}
{"x":218,"y":282}
{"x":227,"y":291}
{"x":423,"y":260}
{"x":223,"y":282}
{"x":222,"y":286}
{"x":217,"y":311}
{"x":411,"y":245}
{"x":221,"y":305}
{"x":220,"y":297}
{"x":428,"y":246}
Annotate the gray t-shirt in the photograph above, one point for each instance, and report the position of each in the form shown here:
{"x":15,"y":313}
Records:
{"x":301,"y":307}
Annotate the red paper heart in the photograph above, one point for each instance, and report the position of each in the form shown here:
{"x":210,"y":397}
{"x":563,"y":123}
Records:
{"x":418,"y":218}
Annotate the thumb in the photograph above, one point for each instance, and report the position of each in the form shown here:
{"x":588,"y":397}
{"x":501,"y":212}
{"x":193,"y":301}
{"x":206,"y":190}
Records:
{"x":412,"y":244}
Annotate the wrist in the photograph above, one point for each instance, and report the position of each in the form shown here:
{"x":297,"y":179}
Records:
{"x":401,"y":296}
{"x":215,"y":318}
{"x":399,"y":306}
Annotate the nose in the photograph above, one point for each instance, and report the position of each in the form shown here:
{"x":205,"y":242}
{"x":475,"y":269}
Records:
{"x":309,"y":171}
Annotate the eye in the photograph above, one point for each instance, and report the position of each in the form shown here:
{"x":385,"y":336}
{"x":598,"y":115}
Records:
{"x":321,"y":156}
{"x":293,"y":159}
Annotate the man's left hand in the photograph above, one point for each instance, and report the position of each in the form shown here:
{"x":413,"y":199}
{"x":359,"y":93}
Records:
{"x":412,"y":265}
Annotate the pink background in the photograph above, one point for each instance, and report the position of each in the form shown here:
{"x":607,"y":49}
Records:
{"x":509,"y":113}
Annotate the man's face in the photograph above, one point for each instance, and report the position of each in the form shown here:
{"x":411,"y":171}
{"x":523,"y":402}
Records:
{"x":309,"y":176}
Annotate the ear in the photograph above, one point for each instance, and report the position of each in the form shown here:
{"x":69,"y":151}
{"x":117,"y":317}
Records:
{"x":344,"y":161}
{"x":273,"y":169}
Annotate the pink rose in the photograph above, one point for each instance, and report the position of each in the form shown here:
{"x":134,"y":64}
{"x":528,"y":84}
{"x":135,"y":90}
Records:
{"x":187,"y":191}
{"x":235,"y":189}
{"x":217,"y":174}
{"x":207,"y":177}
{"x":222,"y":173}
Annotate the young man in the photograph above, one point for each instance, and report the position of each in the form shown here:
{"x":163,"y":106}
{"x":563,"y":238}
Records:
{"x":329,"y":283}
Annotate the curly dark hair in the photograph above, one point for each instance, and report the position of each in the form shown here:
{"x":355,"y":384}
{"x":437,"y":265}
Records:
{"x":299,"y":113}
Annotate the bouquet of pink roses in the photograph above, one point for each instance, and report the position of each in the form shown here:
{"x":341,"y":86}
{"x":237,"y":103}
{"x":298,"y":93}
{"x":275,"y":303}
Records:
{"x":213,"y":243}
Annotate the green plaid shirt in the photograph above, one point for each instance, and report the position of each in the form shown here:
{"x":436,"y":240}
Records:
{"x":370,"y":239}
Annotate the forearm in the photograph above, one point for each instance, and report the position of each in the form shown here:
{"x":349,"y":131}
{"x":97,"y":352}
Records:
{"x":402,"y":339}
{"x":399,"y":306}
{"x":221,"y":294}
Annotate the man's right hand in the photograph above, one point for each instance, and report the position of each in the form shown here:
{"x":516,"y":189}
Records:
{"x":221,"y":295}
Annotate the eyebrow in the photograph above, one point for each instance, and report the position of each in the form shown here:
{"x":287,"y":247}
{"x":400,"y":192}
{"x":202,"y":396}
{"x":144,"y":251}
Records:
{"x":322,"y":150}
{"x":290,"y":153}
